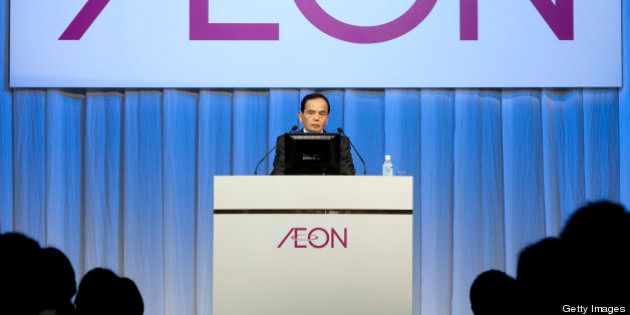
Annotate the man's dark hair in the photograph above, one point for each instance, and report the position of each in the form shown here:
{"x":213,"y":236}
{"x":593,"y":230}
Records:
{"x":313,"y":96}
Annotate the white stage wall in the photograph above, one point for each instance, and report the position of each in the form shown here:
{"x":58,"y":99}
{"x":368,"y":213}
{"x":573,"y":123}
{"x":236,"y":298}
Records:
{"x":303,"y":43}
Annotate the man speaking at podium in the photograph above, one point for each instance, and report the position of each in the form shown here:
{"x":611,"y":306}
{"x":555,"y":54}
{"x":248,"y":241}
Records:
{"x":314,"y":111}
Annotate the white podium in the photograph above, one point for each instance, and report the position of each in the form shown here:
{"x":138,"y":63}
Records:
{"x":292,"y":245}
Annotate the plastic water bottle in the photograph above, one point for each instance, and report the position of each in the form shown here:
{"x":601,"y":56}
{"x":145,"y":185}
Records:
{"x":388,"y":167}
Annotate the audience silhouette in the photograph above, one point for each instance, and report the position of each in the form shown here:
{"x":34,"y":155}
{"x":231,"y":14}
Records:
{"x":41,"y":281}
{"x":598,"y":241}
{"x":58,"y":285}
{"x":97,"y":293}
{"x":18,"y":268}
{"x":131,"y":300}
{"x":585,"y":270}
{"x":587,"y":266}
{"x":492,"y":293}
{"x":542,"y":275}
{"x":102,"y":292}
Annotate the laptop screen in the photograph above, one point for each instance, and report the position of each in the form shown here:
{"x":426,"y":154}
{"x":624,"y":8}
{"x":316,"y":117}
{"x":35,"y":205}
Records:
{"x":312,"y":154}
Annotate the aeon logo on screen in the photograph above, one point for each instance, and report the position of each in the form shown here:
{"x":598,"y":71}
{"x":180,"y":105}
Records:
{"x":318,"y":238}
{"x":557,"y":14}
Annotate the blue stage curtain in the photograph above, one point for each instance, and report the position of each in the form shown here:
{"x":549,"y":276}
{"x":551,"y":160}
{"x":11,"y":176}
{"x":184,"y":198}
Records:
{"x":624,"y":113}
{"x":123,"y":179}
{"x":143,"y":229}
{"x":434,"y":211}
{"x":102,"y":168}
{"x":6,"y":132}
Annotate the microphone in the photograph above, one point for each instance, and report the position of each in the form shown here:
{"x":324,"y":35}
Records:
{"x":294,"y":128}
{"x":340,"y":130}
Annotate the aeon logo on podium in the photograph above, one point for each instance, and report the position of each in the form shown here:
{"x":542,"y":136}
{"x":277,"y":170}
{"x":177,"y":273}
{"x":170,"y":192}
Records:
{"x":317,"y":238}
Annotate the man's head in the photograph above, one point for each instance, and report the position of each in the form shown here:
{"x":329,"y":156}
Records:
{"x":314,"y":112}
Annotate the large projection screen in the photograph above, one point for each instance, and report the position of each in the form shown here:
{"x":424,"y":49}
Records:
{"x":309,"y":43}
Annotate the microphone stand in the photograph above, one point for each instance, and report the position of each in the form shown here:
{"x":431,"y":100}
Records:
{"x":340,"y":130}
{"x":294,"y":128}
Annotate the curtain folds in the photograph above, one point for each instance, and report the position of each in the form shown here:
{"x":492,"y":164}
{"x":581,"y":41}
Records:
{"x":624,"y":111}
{"x":123,"y":179}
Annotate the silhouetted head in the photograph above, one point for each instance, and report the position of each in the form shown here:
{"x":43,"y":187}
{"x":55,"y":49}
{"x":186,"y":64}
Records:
{"x":131,"y":299}
{"x":18,"y":273}
{"x":542,"y":275}
{"x":98,"y":293}
{"x":598,"y":236}
{"x":101,"y":292}
{"x":598,"y":224}
{"x":493,"y":292}
{"x":541,"y":261}
{"x":57,"y":280}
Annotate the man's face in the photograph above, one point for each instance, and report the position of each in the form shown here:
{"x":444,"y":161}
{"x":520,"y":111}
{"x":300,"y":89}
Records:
{"x":315,"y":115}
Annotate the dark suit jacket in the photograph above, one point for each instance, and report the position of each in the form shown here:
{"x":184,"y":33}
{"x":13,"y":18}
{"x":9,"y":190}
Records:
{"x":346,"y":166}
